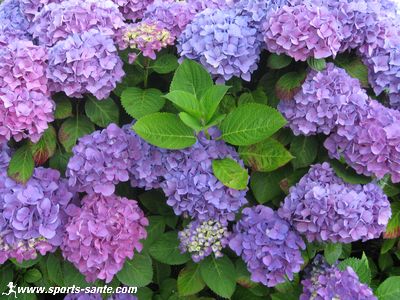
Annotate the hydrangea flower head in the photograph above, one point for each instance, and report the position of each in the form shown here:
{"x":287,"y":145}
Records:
{"x":25,"y":105}
{"x":31,"y":7}
{"x":201,"y":5}
{"x":372,"y":148}
{"x":302,"y":31}
{"x":133,"y":9}
{"x":191,"y":187}
{"x":102,"y":159}
{"x":324,"y":208}
{"x":259,"y":9}
{"x":328,"y":282}
{"x":147,"y":36}
{"x":327,"y":99}
{"x":13,"y":24}
{"x":32,"y":216}
{"x":268,"y":245}
{"x":85,"y":63}
{"x":57,"y":21}
{"x":201,"y":239}
{"x":223,"y":41}
{"x":102,"y":234}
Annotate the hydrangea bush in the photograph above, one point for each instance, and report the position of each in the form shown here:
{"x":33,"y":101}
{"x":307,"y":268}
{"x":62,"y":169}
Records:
{"x":200,"y":149}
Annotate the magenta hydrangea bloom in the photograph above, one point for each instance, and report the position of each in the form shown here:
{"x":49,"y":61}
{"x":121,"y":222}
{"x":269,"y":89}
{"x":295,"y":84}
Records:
{"x":224,"y":42}
{"x":202,"y":239}
{"x":133,"y":9}
{"x":147,"y":36}
{"x":25,"y":105}
{"x":327,"y":99}
{"x":324,"y":208}
{"x":57,"y":21}
{"x":303,"y":31}
{"x":191,"y":187}
{"x":85,"y":63}
{"x":102,"y":159}
{"x":268,"y":245}
{"x":32,"y":215}
{"x":31,"y":7}
{"x":326,"y":282}
{"x":371,"y":146}
{"x":171,"y":14}
{"x":102,"y":234}
{"x":13,"y":24}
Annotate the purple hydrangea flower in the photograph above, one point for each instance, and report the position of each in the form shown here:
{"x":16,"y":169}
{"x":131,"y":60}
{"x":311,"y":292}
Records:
{"x":5,"y":156}
{"x":224,"y":42}
{"x":31,"y":7}
{"x":201,"y":239}
{"x":87,"y":296}
{"x":324,"y":208}
{"x":102,"y":234}
{"x":328,"y":282}
{"x":133,"y":9}
{"x":268,"y":245}
{"x":259,"y":9}
{"x":191,"y":187}
{"x":25,"y":105}
{"x":371,"y":146}
{"x":327,"y":99}
{"x":303,"y":31}
{"x":102,"y":159}
{"x":13,"y":24}
{"x":171,"y":14}
{"x":201,"y":5}
{"x":85,"y":63}
{"x":147,"y":36}
{"x":57,"y":21}
{"x":32,"y":215}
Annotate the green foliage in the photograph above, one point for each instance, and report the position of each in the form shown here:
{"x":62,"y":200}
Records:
{"x":389,"y":289}
{"x":354,"y":67}
{"x":139,"y":103}
{"x":21,"y":165}
{"x":305,"y":150}
{"x":230,"y":173}
{"x":348,"y":174}
{"x":102,"y":112}
{"x":316,"y":64}
{"x":360,"y":266}
{"x":289,"y":84}
{"x":137,"y":271}
{"x":63,"y":107}
{"x":276,"y":61}
{"x":332,"y":252}
{"x":45,"y":147}
{"x":190,"y":281}
{"x":72,"y":129}
{"x":166,"y":250}
{"x":165,"y":64}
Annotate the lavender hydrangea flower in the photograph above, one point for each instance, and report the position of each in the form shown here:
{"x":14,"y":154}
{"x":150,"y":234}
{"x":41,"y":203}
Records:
{"x":32,"y":216}
{"x":371,"y":146}
{"x":56,"y":21}
{"x":201,"y":239}
{"x":327,"y":99}
{"x":171,"y":14}
{"x":31,"y":7}
{"x":302,"y":31}
{"x":133,"y":9}
{"x":201,"y":5}
{"x":191,"y":187}
{"x":147,"y":36}
{"x":88,"y":296}
{"x":102,"y":159}
{"x":268,"y":245}
{"x":5,"y":156}
{"x":85,"y":63}
{"x":224,"y":42}
{"x":259,"y":9}
{"x":13,"y":24}
{"x":102,"y":234}
{"x":324,"y":208}
{"x":25,"y":105}
{"x":328,"y":282}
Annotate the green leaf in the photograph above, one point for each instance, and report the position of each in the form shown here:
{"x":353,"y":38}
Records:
{"x":277,"y":62}
{"x":155,"y":229}
{"x":360,"y":266}
{"x":54,"y":269}
{"x":21,"y":165}
{"x":6,"y":276}
{"x":389,"y":289}
{"x":72,"y":129}
{"x":215,"y":121}
{"x":165,"y":64}
{"x":393,"y":227}
{"x":265,"y":186}
{"x":191,"y":77}
{"x":139,"y":103}
{"x":145,"y":293}
{"x":219,"y":275}
{"x":72,"y":276}
{"x":354,"y":67}
{"x":289,"y":84}
{"x":165,"y":130}
{"x":387,"y":245}
{"x":332,"y":252}
{"x":166,"y":250}
{"x":190,"y":281}
{"x":230,"y":173}
{"x":190,"y":121}
{"x":26,"y":263}
{"x":102,"y":112}
{"x":211,"y":100}
{"x":32,"y":275}
{"x":243,"y":276}
{"x":59,"y":161}
{"x":316,"y":64}
{"x":348,"y":174}
{"x":385,"y":261}
{"x":45,"y":147}
{"x":266,"y":156}
{"x":137,"y":271}
{"x":305,"y":150}
{"x":186,"y":102}
{"x":388,"y":187}
{"x":63,"y":107}
{"x":251,"y":123}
